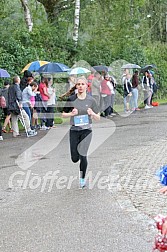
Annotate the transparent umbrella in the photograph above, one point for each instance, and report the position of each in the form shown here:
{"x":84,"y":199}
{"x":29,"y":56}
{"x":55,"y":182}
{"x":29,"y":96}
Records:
{"x":130,"y":66}
{"x":79,"y":70}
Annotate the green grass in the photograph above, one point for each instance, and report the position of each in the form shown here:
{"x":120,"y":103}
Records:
{"x":58,"y":120}
{"x":161,"y":101}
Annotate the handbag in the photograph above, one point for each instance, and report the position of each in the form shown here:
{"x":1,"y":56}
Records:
{"x":14,"y":108}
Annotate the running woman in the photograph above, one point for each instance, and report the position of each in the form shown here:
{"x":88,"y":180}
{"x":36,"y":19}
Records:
{"x":81,"y":108}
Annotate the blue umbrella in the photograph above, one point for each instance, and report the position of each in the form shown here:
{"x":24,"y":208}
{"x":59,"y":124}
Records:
{"x":4,"y":73}
{"x":53,"y":67}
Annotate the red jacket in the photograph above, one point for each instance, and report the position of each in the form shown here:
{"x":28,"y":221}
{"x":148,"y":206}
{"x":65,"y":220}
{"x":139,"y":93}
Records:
{"x":104,"y":88}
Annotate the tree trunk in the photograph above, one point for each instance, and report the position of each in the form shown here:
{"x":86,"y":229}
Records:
{"x":76,"y":21}
{"x":27,"y":15}
{"x":54,"y":7}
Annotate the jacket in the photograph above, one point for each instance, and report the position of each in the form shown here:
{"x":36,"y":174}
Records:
{"x":104,"y":88}
{"x":14,"y":97}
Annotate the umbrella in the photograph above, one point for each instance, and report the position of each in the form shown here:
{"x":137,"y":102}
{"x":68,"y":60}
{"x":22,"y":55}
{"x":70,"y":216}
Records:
{"x":130,"y":66}
{"x":79,"y":70}
{"x":53,"y":67}
{"x":147,"y":67}
{"x":101,"y":68}
{"x":4,"y":73}
{"x":34,"y":66}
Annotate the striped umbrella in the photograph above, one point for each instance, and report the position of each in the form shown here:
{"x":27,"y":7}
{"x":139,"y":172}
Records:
{"x":34,"y":66}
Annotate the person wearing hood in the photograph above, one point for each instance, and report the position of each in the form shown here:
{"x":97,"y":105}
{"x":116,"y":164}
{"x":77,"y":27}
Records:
{"x":23,"y":82}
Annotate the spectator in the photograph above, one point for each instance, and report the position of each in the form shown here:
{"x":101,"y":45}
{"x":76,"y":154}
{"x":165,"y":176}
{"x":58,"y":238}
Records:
{"x":146,"y":89}
{"x":135,"y":92}
{"x":7,"y":114}
{"x":36,"y":102}
{"x":113,"y":85}
{"x":28,"y":92}
{"x":50,"y":105}
{"x":153,"y":86}
{"x":127,"y":92}
{"x":96,"y":87}
{"x":15,"y":105}
{"x":43,"y":89}
{"x":106,"y":95}
{"x":90,"y":79}
{"x":23,"y":82}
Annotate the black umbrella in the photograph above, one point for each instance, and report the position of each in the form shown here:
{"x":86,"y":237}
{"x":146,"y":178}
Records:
{"x":147,"y":67}
{"x":101,"y":68}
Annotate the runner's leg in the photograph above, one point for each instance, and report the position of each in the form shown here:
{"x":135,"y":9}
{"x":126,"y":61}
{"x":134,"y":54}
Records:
{"x":83,"y":146}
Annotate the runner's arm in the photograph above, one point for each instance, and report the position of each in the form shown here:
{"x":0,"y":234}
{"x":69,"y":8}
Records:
{"x":93,"y":114}
{"x":71,"y":113}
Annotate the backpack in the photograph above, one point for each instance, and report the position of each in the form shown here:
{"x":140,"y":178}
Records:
{"x":2,"y":102}
{"x":155,"y":88}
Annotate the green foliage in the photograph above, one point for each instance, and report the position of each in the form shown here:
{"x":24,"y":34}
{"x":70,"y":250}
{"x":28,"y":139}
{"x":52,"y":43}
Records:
{"x":58,"y":120}
{"x":109,"y":30}
{"x":133,"y":53}
{"x":156,"y":53}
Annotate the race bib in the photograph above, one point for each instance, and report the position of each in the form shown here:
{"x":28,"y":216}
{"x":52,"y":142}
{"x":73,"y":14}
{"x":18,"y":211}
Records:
{"x":81,"y":120}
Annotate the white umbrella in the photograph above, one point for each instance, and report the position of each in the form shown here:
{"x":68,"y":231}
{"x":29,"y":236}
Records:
{"x":130,"y":66}
{"x":79,"y":70}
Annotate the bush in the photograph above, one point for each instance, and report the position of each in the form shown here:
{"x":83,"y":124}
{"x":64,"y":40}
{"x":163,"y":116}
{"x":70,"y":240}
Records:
{"x":156,"y":54}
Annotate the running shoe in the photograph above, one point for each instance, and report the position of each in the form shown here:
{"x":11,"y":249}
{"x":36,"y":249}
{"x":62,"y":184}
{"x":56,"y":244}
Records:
{"x":82,"y":183}
{"x":44,"y":128}
{"x":32,"y":133}
{"x":1,"y":138}
{"x":146,"y":107}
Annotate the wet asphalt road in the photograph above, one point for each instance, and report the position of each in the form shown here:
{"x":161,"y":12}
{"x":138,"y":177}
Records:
{"x":43,"y":218}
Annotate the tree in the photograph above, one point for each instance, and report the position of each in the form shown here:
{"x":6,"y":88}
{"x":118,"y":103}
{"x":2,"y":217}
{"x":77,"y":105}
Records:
{"x":54,"y":7}
{"x":27,"y":15}
{"x":156,"y":11}
{"x":76,"y":21}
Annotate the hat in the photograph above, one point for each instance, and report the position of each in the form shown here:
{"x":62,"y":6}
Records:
{"x":152,"y":72}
